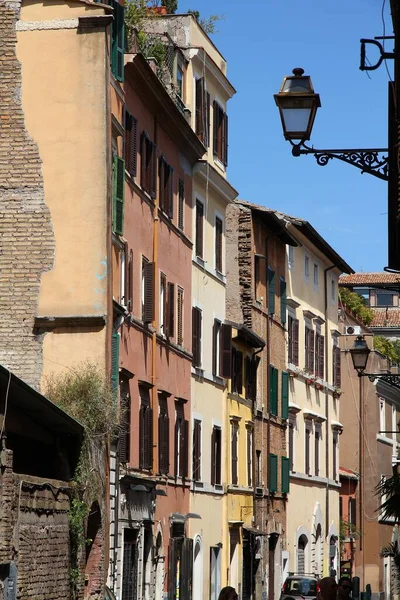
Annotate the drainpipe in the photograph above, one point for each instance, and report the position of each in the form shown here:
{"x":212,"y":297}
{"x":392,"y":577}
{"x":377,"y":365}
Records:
{"x":327,"y":437}
{"x":155,"y":322}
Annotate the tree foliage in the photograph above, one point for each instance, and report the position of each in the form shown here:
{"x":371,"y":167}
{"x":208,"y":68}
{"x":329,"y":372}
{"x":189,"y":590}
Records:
{"x":388,"y":348}
{"x":393,"y":551}
{"x":170,"y":5}
{"x":356,"y":304}
{"x":209,"y":23}
{"x":389,"y":491}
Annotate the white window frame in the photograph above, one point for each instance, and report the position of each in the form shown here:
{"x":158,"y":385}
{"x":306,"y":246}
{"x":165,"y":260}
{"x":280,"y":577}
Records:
{"x":197,"y":417}
{"x":290,"y":256}
{"x":382,"y":415}
{"x":218,"y":215}
{"x":123,"y":258}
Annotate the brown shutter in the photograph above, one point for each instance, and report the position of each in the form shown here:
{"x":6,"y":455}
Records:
{"x":199,"y":228}
{"x":307,"y":347}
{"x":295,"y":342}
{"x":253,"y":370}
{"x":161,"y":176}
{"x":148,"y":316}
{"x":196,"y":337}
{"x":213,"y":456}
{"x":153,"y":171}
{"x":184,"y":448}
{"x":126,"y":275}
{"x":143,"y":161}
{"x":249,"y":458}
{"x":207,"y":141}
{"x":163,"y":442}
{"x":170,"y":192}
{"x":181,"y":202}
{"x":312,"y":350}
{"x":180,"y":317}
{"x":316,"y":453}
{"x":149,"y":428}
{"x":124,"y":438}
{"x":196,"y":450}
{"x":186,"y":575}
{"x":337,"y":366}
{"x":248,"y":377}
{"x":224,"y":148}
{"x":199,"y":119}
{"x":218,"y":457}
{"x":171,"y":310}
{"x":307,"y":457}
{"x":142,"y":436}
{"x":128,"y":139}
{"x":133,"y":150}
{"x":178,"y":421}
{"x":130,"y":282}
{"x":290,"y":339}
{"x":321,"y":354}
{"x":218,"y":245}
{"x":216,"y":328}
{"x":215,"y":127}
{"x":226,"y":351}
{"x":172,"y":567}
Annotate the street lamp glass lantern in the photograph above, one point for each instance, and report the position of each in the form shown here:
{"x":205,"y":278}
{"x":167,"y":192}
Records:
{"x":359,"y":354}
{"x":298,"y":104}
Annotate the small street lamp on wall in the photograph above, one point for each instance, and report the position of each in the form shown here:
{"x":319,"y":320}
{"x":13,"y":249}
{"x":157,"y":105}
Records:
{"x":360,"y":354}
{"x":298,"y":103}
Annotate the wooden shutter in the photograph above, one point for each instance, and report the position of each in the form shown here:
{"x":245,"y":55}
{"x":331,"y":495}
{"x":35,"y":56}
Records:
{"x":337,"y":366}
{"x":163,"y":442}
{"x":271,"y":291}
{"x":171,"y":310}
{"x":224,"y":140}
{"x":226,"y":351}
{"x":127,"y":138}
{"x":218,"y":455}
{"x":153,"y":171}
{"x":285,"y":395}
{"x":273,"y":390}
{"x":285,"y":475}
{"x":316,"y":452}
{"x":352,"y":514}
{"x":215,"y":127}
{"x":320,"y":356}
{"x":186,"y":574}
{"x":148,"y":315}
{"x":307,"y":450}
{"x":172,"y":567}
{"x":134,"y":149}
{"x":177,"y":447}
{"x":273,"y":473}
{"x":295,"y":342}
{"x":207,"y":140}
{"x":130,"y":282}
{"x":149,"y":437}
{"x":291,"y":445}
{"x":218,"y":244}
{"x":115,"y":362}
{"x":124,"y":438}
{"x":184,"y":449}
{"x":180,"y":317}
{"x":200,"y":112}
{"x":196,"y":450}
{"x":234,"y":454}
{"x":213,"y":456}
{"x":254,"y":368}
{"x":181,"y":204}
{"x":118,"y":42}
{"x":283,"y":300}
{"x":143,"y":161}
{"x":196,"y":337}
{"x":142,"y":436}
{"x":312,"y":350}
{"x":290,"y":339}
{"x":118,"y":194}
{"x":170,"y":193}
{"x":161,"y":187}
{"x":199,"y":228}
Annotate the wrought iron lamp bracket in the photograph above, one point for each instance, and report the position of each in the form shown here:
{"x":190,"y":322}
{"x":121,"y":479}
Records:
{"x":392,"y":379}
{"x":369,"y":160}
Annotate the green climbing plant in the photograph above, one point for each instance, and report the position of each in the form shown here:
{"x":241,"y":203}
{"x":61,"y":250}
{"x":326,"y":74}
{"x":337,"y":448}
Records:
{"x":356,"y":304}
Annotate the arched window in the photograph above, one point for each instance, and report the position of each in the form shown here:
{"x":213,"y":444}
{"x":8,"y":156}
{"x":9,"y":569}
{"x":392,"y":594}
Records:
{"x":301,"y":554}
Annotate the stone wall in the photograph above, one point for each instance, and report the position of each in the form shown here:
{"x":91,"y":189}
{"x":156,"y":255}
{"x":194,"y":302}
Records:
{"x":26,"y":236}
{"x":34,"y":533}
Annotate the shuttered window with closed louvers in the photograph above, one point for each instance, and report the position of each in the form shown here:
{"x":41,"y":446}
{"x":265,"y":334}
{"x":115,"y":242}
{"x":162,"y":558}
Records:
{"x":118,"y":194}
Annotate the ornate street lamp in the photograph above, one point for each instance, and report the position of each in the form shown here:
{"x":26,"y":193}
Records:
{"x":298,"y":103}
{"x":359,"y":355}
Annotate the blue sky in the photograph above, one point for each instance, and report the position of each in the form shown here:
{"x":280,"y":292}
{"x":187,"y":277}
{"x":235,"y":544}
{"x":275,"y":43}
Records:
{"x":263,"y":40}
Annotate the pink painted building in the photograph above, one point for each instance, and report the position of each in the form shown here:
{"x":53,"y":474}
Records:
{"x":152,"y":272}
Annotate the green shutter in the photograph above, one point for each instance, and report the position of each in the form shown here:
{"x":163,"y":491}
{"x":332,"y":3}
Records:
{"x":273,"y":473}
{"x":118,"y":194}
{"x":285,"y":395}
{"x":271,"y":291}
{"x":273,"y":390}
{"x":115,"y":362}
{"x":285,"y":475}
{"x":283,"y":300}
{"x":118,"y":41}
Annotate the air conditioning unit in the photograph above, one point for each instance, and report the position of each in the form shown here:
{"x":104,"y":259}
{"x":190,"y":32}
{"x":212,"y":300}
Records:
{"x":352,"y":330}
{"x":259,"y":492}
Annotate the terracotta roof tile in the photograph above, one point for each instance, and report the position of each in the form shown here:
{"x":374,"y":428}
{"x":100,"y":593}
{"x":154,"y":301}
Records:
{"x":369,"y":278}
{"x":385,"y":317}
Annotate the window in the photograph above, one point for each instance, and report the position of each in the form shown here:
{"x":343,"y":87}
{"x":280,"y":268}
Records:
{"x":293,"y":340}
{"x":125,"y":427}
{"x":315,"y":275}
{"x":171,"y":310}
{"x":148,"y":170}
{"x":145,"y":429}
{"x":202,"y":118}
{"x":118,"y":41}
{"x":115,"y":362}
{"x":249,"y":444}
{"x":234,"y":453}
{"x":179,"y":333}
{"x":163,"y":303}
{"x":291,"y":445}
{"x":218,"y":244}
{"x":128,"y":279}
{"x":147,"y":291}
{"x":225,"y":360}
{"x":163,"y":434}
{"x":309,"y":349}
{"x":382,"y":418}
{"x":271,"y":291}
{"x":181,"y":204}
{"x":334,"y":455}
{"x":285,"y":395}
{"x":316,"y":448}
{"x":166,"y":189}
{"x":306,"y":267}
{"x":251,"y":377}
{"x":336,"y":366}
{"x":196,"y":450}
{"x":307,"y":449}
{"x":290,"y":256}
{"x":179,"y":79}
{"x":285,"y":475}
{"x":319,"y":355}
{"x":394,"y":422}
{"x":216,"y":347}
{"x":258,"y":468}
{"x":384,"y":298}
{"x":273,"y":390}
{"x":181,"y":443}
{"x":273,"y":473}
{"x":237,"y":372}
{"x":216,"y":455}
{"x":130,"y":146}
{"x":199,"y":228}
{"x":196,"y":337}
{"x":333,"y":291}
{"x":283,"y":300}
{"x":363,"y":292}
{"x":130,"y":564}
{"x":220,"y":143}
{"x":118,"y":194}
{"x":352,"y":516}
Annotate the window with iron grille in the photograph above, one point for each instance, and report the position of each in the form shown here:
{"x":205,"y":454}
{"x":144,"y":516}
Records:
{"x":145,"y":428}
{"x":218,"y":244}
{"x":130,"y":565}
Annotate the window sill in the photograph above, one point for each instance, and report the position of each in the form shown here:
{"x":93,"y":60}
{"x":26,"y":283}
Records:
{"x":219,"y":163}
{"x":198,"y":372}
{"x":238,"y":489}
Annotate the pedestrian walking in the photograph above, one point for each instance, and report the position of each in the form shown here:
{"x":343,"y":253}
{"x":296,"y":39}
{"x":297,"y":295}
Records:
{"x":327,"y":589}
{"x":344,"y":588}
{"x":228,"y":593}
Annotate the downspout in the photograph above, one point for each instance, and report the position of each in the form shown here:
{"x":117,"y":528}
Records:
{"x":155,"y":323}
{"x":327,"y":437}
{"x":255,"y":482}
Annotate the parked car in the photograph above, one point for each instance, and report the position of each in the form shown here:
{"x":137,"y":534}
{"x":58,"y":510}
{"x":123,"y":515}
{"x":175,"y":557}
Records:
{"x":295,"y":586}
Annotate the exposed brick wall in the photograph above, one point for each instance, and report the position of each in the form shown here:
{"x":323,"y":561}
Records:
{"x":26,"y":236}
